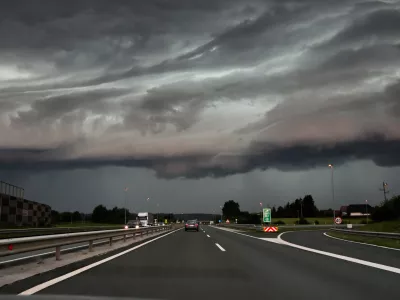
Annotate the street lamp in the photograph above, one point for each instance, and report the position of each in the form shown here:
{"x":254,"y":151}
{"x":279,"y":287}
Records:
{"x":222,"y":213}
{"x":126,"y":190}
{"x":366,"y":209}
{"x":261,"y":213}
{"x":333,"y":191}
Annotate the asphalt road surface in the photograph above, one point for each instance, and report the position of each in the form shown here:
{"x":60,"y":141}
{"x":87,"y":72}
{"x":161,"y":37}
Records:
{"x":218,"y":264}
{"x":317,"y":240}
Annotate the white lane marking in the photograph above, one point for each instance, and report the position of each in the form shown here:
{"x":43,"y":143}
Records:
{"x":346,"y":258}
{"x":208,"y":235}
{"x":235,"y":232}
{"x":342,"y":257}
{"x":51,"y":282}
{"x":372,"y":245}
{"x":272,"y":240}
{"x":220,"y":248}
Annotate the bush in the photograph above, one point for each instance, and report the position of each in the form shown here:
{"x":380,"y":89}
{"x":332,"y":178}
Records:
{"x":279,"y":222}
{"x":316,"y":222}
{"x":302,"y":222}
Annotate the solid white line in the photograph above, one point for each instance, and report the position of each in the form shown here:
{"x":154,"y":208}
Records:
{"x":220,"y":248}
{"x":208,"y":235}
{"x":372,"y":245}
{"x":46,"y":284}
{"x":342,"y":257}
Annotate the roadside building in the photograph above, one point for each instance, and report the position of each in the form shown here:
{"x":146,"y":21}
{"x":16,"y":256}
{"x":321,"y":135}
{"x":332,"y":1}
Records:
{"x":359,"y":210}
{"x":15,"y":210}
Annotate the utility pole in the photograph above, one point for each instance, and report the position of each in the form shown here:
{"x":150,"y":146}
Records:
{"x":383,"y":189}
{"x":125,"y":195}
{"x":333,"y":192}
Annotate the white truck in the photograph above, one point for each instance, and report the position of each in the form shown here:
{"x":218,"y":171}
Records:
{"x":146,"y":218}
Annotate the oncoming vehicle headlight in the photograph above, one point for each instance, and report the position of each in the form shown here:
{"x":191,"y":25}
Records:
{"x":137,"y":226}
{"x":126,"y":226}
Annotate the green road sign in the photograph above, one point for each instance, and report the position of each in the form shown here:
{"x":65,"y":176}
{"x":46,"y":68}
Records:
{"x":266,"y":215}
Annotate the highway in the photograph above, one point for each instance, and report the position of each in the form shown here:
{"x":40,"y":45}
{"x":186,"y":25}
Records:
{"x":220,"y":264}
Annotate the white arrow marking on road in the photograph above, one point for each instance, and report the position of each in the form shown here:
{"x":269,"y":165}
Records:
{"x":208,"y":235}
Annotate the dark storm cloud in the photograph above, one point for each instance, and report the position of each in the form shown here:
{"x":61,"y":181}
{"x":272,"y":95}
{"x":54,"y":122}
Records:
{"x":54,"y":107}
{"x":93,"y":83}
{"x":380,"y":25}
{"x":375,"y":147}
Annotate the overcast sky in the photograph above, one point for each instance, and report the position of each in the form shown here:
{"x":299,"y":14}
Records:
{"x":192,"y":103}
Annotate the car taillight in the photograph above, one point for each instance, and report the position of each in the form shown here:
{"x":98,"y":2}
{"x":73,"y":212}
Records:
{"x":197,"y":225}
{"x":186,"y":224}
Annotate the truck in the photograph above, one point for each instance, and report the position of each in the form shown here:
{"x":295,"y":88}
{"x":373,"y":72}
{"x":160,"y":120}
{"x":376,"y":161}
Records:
{"x":146,"y":218}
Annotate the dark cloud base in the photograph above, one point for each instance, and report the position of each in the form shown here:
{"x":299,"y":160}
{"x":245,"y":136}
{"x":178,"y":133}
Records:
{"x":262,"y":156}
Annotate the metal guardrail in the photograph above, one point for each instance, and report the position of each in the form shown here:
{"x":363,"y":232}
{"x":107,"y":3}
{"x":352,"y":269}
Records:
{"x":27,"y":244}
{"x":50,"y":229}
{"x":389,"y":235}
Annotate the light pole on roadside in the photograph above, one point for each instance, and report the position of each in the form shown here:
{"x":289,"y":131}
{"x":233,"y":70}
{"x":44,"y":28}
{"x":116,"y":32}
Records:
{"x":261,"y":206}
{"x":222,"y":213}
{"x":125,"y":190}
{"x":366,"y":209}
{"x":333,"y":192}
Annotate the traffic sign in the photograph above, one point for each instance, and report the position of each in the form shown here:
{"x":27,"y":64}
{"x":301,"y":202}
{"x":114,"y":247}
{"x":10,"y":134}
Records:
{"x":266,"y":215}
{"x":338,"y":220}
{"x":270,"y":229}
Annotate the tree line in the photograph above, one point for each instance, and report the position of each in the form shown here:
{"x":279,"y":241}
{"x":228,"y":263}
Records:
{"x":303,"y":208}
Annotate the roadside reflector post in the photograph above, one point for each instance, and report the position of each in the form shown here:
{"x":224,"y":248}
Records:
{"x":110,"y":241}
{"x":124,"y":238}
{"x":58,"y":253}
{"x":90,"y":246}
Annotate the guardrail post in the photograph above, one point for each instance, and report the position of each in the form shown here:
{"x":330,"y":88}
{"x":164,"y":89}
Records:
{"x":110,"y":241}
{"x":58,"y":253}
{"x":90,"y":246}
{"x":124,"y":238}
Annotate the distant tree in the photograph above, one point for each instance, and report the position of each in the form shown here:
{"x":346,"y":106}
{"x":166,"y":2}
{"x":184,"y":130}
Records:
{"x":280,"y":212}
{"x":55,"y":216}
{"x":388,"y":210}
{"x":100,"y":214}
{"x":309,"y":208}
{"x":273,"y":212}
{"x":231,"y":209}
{"x":65,"y":216}
{"x":76,"y":216}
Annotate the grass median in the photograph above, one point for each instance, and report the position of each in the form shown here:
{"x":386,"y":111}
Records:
{"x":391,"y":243}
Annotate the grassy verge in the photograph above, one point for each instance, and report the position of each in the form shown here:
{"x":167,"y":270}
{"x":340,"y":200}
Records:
{"x":321,"y":221}
{"x":366,"y":239}
{"x":388,"y":226}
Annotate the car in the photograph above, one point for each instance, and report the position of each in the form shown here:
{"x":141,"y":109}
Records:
{"x":192,"y":225}
{"x":132,"y":224}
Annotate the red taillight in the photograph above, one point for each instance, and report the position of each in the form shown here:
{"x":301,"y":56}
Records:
{"x":186,"y":225}
{"x":197,"y":224}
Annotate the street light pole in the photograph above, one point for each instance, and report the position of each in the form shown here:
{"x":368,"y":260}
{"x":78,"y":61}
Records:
{"x":366,"y":209}
{"x":126,"y":190}
{"x":333,"y":192}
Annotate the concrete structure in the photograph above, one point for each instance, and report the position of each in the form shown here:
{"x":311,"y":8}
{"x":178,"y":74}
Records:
{"x":15,"y":210}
